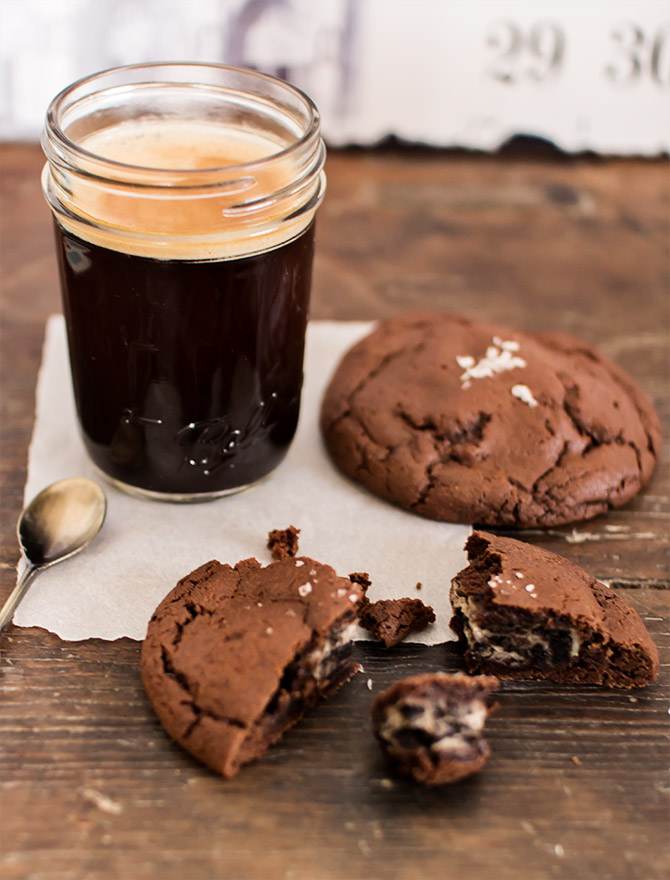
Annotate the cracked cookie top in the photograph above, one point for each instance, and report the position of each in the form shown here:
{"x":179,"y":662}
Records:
{"x":234,"y":655}
{"x":472,"y":422}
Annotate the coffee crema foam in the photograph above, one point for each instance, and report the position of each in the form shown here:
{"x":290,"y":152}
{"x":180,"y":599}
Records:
{"x":181,"y":221}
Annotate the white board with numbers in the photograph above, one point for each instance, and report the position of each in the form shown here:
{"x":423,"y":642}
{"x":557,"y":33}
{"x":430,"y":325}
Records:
{"x":586,"y":74}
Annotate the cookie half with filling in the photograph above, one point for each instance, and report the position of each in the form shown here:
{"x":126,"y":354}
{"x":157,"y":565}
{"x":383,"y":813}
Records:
{"x":523,"y":612}
{"x":234,"y":656}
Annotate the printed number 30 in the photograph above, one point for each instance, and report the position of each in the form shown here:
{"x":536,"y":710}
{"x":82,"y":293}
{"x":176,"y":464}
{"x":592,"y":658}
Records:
{"x":639,"y":55}
{"x":541,"y":48}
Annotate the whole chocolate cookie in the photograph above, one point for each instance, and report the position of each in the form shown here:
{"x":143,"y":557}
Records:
{"x":471,"y":422}
{"x":431,"y":725}
{"x":522,"y":612}
{"x":234,"y":656}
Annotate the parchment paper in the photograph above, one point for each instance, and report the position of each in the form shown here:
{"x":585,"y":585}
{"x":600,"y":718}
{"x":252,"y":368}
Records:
{"x":111,"y":589}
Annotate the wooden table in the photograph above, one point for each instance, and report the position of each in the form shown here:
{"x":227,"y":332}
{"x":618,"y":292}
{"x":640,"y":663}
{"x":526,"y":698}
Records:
{"x":93,"y":788}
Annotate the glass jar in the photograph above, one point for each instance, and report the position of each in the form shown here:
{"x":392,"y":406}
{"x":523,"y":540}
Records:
{"x":184,"y":200}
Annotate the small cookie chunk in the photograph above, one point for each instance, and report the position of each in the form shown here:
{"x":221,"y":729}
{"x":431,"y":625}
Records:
{"x":391,"y":620}
{"x":362,"y":578}
{"x":471,"y":422}
{"x":431,"y":725}
{"x":522,"y":612}
{"x":234,"y":656}
{"x":283,"y":543}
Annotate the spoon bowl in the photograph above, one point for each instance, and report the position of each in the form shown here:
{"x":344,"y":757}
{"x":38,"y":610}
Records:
{"x":59,"y":522}
{"x":62,"y":520}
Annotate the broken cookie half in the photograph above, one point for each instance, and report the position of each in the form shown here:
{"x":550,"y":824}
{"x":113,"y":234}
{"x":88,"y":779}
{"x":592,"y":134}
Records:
{"x":234,"y":656}
{"x":432,"y":725}
{"x":523,"y":612}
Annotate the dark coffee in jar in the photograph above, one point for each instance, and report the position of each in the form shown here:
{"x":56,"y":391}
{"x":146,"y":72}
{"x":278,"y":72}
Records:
{"x":186,"y":302}
{"x":187,"y":375}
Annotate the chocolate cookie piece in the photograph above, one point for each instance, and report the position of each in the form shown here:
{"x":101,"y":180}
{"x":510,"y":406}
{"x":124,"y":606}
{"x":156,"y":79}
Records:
{"x":234,"y":656}
{"x":283,"y":543}
{"x":472,"y":422}
{"x":522,"y":612}
{"x":362,"y":578}
{"x":431,"y":725}
{"x":391,"y":620}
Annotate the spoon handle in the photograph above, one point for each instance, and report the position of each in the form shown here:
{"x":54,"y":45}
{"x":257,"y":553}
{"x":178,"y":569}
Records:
{"x":16,"y":595}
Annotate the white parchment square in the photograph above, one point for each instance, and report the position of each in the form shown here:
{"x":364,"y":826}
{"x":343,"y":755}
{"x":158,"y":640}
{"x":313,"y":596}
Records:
{"x":111,"y":589}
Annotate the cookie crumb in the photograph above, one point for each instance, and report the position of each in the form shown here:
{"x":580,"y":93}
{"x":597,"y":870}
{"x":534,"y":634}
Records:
{"x":576,"y":761}
{"x":362,"y":578}
{"x":283,"y":543}
{"x":418,"y":585}
{"x":558,"y":849}
{"x":391,"y":620}
{"x":369,"y":683}
{"x":101,"y":801}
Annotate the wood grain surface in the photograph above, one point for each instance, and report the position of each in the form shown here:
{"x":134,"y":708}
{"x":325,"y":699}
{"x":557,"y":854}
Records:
{"x":577,"y":785}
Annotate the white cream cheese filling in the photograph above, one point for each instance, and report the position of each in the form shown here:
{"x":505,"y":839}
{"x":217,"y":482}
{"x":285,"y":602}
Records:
{"x":485,"y":641}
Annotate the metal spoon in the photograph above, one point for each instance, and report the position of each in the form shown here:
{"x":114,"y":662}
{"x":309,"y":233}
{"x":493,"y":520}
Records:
{"x":59,"y":522}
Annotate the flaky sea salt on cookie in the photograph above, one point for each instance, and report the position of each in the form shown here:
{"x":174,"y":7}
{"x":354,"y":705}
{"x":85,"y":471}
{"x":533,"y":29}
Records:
{"x":467,"y":421}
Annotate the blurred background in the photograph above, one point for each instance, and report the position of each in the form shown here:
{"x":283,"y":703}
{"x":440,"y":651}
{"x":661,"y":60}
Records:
{"x":583,"y":74}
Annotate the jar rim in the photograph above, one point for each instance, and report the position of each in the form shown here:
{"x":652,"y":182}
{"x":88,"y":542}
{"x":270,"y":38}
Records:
{"x":223,"y":212}
{"x":55,"y":135}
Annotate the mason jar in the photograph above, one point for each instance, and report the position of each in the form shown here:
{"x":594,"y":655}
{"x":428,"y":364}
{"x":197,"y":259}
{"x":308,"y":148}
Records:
{"x":184,"y":200}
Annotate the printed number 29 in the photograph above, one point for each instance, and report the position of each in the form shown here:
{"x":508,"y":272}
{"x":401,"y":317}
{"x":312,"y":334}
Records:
{"x":534,"y":55}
